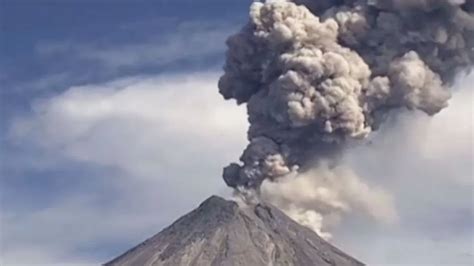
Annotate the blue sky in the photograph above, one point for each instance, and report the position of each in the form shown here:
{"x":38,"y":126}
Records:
{"x":49,"y":46}
{"x":112,"y":127}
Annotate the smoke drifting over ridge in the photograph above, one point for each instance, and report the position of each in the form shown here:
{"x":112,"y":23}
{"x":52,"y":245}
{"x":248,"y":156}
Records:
{"x":318,"y":75}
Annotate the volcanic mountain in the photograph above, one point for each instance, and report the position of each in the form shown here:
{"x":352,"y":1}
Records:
{"x":222,"y":233}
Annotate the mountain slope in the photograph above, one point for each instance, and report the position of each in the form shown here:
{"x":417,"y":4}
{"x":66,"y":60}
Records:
{"x":219,"y":232}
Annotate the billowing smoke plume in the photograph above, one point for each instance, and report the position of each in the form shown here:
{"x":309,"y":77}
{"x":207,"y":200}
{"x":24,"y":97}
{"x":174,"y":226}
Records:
{"x":317,"y":75}
{"x":328,"y":192}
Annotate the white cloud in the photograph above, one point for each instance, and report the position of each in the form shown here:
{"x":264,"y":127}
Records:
{"x":164,"y":139}
{"x":427,"y":165}
{"x":140,"y":125}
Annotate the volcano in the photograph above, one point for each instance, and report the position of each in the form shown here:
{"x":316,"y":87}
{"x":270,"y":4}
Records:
{"x":223,"y":233}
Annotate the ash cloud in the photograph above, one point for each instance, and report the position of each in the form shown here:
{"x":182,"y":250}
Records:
{"x":320,"y":197}
{"x":318,"y":76}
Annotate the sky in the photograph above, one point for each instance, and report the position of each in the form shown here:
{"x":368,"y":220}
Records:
{"x":112,"y":127}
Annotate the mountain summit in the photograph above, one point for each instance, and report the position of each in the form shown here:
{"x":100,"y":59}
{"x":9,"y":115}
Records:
{"x":222,"y":233}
